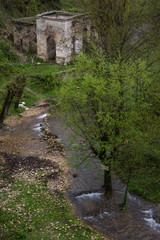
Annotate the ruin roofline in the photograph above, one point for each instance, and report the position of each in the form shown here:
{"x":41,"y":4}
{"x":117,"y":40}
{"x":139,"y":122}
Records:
{"x":66,"y":16}
{"x":26,"y":20}
{"x":51,"y":15}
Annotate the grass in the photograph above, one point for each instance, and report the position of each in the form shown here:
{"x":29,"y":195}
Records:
{"x":145,"y":181}
{"x":72,"y":5}
{"x":34,"y":213}
{"x":42,"y":79}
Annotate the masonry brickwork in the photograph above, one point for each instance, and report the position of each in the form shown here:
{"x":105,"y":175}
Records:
{"x":56,"y":36}
{"x":25,"y":36}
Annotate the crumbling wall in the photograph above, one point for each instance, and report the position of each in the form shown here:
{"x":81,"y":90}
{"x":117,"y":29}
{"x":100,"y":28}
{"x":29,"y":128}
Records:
{"x":56,"y":36}
{"x":25,"y":37}
{"x":66,"y":32}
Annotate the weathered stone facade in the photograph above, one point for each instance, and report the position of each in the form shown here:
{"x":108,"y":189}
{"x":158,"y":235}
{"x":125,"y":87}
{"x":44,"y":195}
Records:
{"x":60,"y":35}
{"x":57,"y":36}
{"x":25,"y":37}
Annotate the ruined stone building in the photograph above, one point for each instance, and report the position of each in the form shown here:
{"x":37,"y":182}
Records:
{"x":56,"y":35}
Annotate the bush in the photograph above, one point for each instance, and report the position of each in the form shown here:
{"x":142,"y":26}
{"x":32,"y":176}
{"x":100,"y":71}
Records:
{"x":47,"y":81}
{"x":6,"y":54}
{"x":2,"y":24}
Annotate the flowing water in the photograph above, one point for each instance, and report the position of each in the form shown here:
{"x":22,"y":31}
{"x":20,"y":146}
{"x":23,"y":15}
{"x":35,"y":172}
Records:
{"x":38,"y":126}
{"x":140,"y":221}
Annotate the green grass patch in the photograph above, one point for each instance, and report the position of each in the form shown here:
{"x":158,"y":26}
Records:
{"x":34,"y":69}
{"x":145,"y":181}
{"x":41,"y":79}
{"x":72,"y":5}
{"x":29,"y":100}
{"x":34,"y":213}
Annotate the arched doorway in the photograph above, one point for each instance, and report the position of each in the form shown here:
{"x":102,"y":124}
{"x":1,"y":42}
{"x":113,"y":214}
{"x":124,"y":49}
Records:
{"x":85,"y":40}
{"x":51,"y":48}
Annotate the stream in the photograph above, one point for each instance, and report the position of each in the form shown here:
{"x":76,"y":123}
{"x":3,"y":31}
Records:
{"x":140,"y":221}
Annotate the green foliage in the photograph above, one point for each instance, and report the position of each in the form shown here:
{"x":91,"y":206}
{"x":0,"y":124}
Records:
{"x":6,"y":54}
{"x":124,"y":28}
{"x":107,"y":93}
{"x":2,"y":24}
{"x":44,"y":79}
{"x":19,"y":8}
{"x":72,"y":5}
{"x":110,"y":105}
{"x":47,"y":81}
{"x":6,"y":57}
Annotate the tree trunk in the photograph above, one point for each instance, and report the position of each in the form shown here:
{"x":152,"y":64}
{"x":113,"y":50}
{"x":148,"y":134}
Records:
{"x":18,"y":98}
{"x":126,"y":191}
{"x":20,"y":85}
{"x":107,"y":183}
{"x":7,"y":103}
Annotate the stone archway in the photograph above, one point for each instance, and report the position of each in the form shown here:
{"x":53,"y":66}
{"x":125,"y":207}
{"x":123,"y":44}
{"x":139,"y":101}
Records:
{"x":85,"y":39}
{"x":51,"y":48}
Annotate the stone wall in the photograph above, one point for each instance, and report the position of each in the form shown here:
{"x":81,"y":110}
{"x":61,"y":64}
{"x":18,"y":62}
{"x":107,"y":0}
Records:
{"x":64,"y":31}
{"x":25,"y":37}
{"x":55,"y":36}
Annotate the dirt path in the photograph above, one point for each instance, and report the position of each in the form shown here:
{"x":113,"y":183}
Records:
{"x":22,"y":148}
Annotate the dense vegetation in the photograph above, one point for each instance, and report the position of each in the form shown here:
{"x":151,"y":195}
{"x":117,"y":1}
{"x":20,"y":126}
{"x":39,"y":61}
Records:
{"x":112,"y":101}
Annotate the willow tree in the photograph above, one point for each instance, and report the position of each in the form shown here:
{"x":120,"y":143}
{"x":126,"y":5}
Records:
{"x":106,"y":104}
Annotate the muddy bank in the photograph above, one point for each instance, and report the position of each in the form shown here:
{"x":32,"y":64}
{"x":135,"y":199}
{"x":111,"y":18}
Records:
{"x":26,"y":150}
{"x":140,"y":221}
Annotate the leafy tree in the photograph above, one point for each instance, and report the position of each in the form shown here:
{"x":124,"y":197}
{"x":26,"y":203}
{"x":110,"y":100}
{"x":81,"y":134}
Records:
{"x":107,"y":104}
{"x":124,"y":28}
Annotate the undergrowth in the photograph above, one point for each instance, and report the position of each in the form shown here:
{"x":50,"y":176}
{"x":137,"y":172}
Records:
{"x":145,"y":180}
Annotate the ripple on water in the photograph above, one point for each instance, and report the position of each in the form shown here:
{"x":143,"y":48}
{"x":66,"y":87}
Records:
{"x":101,"y":215}
{"x":37,"y":127}
{"x":89,"y":218}
{"x":91,"y":204}
{"x":42,"y":116}
{"x":90,"y":195}
{"x":104,"y":214}
{"x":150,"y":220}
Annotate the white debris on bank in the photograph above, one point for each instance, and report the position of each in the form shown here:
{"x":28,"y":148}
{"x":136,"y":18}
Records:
{"x":22,"y":105}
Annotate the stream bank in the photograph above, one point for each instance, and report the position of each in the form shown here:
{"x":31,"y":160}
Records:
{"x":139,"y":221}
{"x":28,"y":156}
